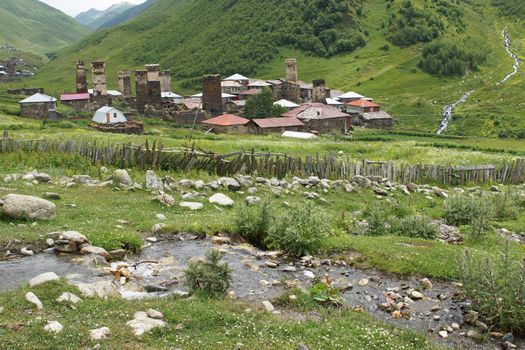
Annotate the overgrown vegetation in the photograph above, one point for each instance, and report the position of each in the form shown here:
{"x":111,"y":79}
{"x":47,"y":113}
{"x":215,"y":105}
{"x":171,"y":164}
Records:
{"x":511,"y":7}
{"x":261,"y":106}
{"x":209,"y":278}
{"x":445,"y":58}
{"x":253,"y":222}
{"x":496,"y":288}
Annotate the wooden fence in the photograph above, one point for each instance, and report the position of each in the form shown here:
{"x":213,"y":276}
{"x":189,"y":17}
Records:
{"x":331,"y":166}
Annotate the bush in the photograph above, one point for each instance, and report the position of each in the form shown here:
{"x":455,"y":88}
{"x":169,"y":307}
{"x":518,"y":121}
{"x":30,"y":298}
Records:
{"x":209,"y":278}
{"x":463,"y":210}
{"x":445,"y":58}
{"x":299,"y":231}
{"x":416,"y":226}
{"x":496,"y":288}
{"x":505,"y":205}
{"x":253,"y":223}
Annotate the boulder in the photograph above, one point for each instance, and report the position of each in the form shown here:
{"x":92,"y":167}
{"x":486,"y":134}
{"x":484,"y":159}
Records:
{"x":101,"y":289}
{"x":89,"y":249}
{"x":68,"y":297}
{"x":43,"y":278}
{"x":362,"y":181}
{"x":191,"y":205}
{"x":252,"y":200}
{"x":121,"y":177}
{"x":230,"y":183}
{"x":74,"y":236}
{"x":142,"y":323}
{"x":33,"y":299}
{"x":99,"y":333}
{"x":221,"y":199}
{"x":165,"y":199}
{"x":153,"y":182}
{"x":54,"y":327}
{"x":268,"y":306}
{"x":17,"y":206}
{"x":27,"y":252}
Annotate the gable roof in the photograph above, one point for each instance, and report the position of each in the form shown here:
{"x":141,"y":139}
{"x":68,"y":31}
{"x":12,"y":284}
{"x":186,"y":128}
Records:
{"x":315,"y":110}
{"x":230,"y":83}
{"x":279,"y":122}
{"x":259,"y":83}
{"x":350,"y":94}
{"x":333,"y":102}
{"x":74,"y":97}
{"x":38,"y":98}
{"x":226,"y":120}
{"x":286,"y":104}
{"x":362,"y":103}
{"x":237,"y":77}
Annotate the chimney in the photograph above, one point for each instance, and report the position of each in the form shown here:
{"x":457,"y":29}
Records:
{"x":319,"y":91}
{"x":165,"y":81}
{"x":291,"y":69}
{"x":124,"y":83}
{"x":82,"y":86}
{"x":212,"y":95}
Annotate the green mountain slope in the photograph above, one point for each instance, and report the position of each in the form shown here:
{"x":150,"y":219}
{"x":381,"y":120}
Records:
{"x":94,"y":18}
{"x":33,"y":26}
{"x":370,"y":46}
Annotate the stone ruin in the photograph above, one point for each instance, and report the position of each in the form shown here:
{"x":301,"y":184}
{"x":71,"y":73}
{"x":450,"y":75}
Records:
{"x":82,"y":86}
{"x":165,"y":81}
{"x":10,"y":66}
{"x":100,"y":86}
{"x":319,"y":91}
{"x":154,"y":91}
{"x":291,"y":70}
{"x":141,"y":87}
{"x":124,"y":83}
{"x":212,"y":95}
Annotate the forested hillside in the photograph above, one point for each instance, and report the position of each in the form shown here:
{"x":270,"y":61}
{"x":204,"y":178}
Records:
{"x":33,"y":26}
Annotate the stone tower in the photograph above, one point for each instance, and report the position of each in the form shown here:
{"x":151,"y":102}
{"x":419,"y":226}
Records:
{"x":124,"y":83}
{"x":82,"y":86}
{"x":319,"y":91}
{"x":100,"y":86}
{"x":10,"y":65}
{"x":154,"y":90}
{"x":291,"y":69}
{"x":165,"y":81}
{"x":212,"y":95}
{"x":141,"y":86}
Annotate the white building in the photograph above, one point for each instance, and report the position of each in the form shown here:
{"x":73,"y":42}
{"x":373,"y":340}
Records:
{"x":109,"y":115}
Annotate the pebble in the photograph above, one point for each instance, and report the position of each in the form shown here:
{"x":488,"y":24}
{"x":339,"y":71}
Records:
{"x":27,"y":252}
{"x":53,"y":326}
{"x":363,"y":282}
{"x":99,"y":333}
{"x":268,"y":306}
{"x":160,"y":217}
{"x":416,"y":295}
{"x":443,"y":334}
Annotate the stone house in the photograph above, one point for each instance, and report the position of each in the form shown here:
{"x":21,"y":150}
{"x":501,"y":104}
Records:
{"x":321,"y":118}
{"x":279,"y":124}
{"x":362,"y":106}
{"x":78,"y":101}
{"x":38,"y":106}
{"x":227,"y":124}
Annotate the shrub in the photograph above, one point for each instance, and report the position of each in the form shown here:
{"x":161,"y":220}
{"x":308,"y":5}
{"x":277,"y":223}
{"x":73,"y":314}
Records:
{"x":299,"y":231}
{"x":382,"y":216}
{"x":325,"y":295}
{"x":253,"y":223}
{"x":209,"y":278}
{"x":496,"y":288}
{"x":505,"y":205}
{"x":445,"y":58}
{"x":463,"y":210}
{"x":416,"y":226}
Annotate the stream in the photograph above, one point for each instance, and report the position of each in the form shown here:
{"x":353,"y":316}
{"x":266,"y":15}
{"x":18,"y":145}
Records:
{"x":159,"y":271}
{"x":448,"y":111}
{"x":515,"y":66}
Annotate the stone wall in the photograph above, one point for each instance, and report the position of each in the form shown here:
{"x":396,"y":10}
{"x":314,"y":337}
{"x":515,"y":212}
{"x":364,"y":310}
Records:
{"x":325,"y":126}
{"x":290,"y":91}
{"x":319,"y":91}
{"x":141,"y":86}
{"x":124,"y":83}
{"x":100,"y":86}
{"x":34,"y":110}
{"x":291,"y":69}
{"x":165,"y":81}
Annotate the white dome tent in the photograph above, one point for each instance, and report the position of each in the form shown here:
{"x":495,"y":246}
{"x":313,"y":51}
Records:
{"x":109,"y":115}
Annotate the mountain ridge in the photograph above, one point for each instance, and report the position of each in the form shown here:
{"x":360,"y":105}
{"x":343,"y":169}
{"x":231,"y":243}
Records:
{"x":94,"y":18}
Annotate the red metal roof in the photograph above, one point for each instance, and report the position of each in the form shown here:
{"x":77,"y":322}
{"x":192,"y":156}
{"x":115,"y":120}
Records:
{"x":315,"y":110}
{"x":279,"y":122}
{"x":362,"y":103}
{"x":74,"y":97}
{"x":226,"y":120}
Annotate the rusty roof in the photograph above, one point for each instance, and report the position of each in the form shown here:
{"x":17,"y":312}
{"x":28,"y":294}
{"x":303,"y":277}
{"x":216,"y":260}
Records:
{"x":278,"y":122}
{"x":362,"y":103}
{"x":251,"y":92}
{"x":226,"y":120}
{"x":315,"y":110}
{"x":74,"y":97}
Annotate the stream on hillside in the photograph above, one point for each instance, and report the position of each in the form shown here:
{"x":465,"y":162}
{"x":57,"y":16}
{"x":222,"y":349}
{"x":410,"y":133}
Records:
{"x":448,"y":110}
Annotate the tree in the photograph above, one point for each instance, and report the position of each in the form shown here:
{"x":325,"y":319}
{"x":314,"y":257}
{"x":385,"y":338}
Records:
{"x":261,"y":106}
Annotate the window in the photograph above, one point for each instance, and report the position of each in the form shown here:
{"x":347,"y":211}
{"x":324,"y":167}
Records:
{"x":115,"y":115}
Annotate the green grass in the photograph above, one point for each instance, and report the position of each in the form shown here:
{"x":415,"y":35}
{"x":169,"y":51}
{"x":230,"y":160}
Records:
{"x":206,"y":324}
{"x":33,"y":26}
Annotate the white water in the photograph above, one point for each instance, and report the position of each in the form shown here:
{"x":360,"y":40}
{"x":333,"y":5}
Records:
{"x":448,"y":112}
{"x":517,"y":62}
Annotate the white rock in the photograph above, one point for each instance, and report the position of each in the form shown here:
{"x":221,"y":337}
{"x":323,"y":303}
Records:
{"x":160,"y":217}
{"x":191,"y":205}
{"x":43,"y":278}
{"x":121,"y":177}
{"x":268,"y":306}
{"x":309,"y":274}
{"x":101,"y":289}
{"x":443,"y":334}
{"x":53,"y":326}
{"x":32,"y":298}
{"x":416,"y":295}
{"x":27,"y":252}
{"x":157,"y":228}
{"x":141,"y":323}
{"x":70,"y":297}
{"x":152,"y":313}
{"x":221,"y":199}
{"x":99,"y":333}
{"x":153,"y":182}
{"x":17,"y":206}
